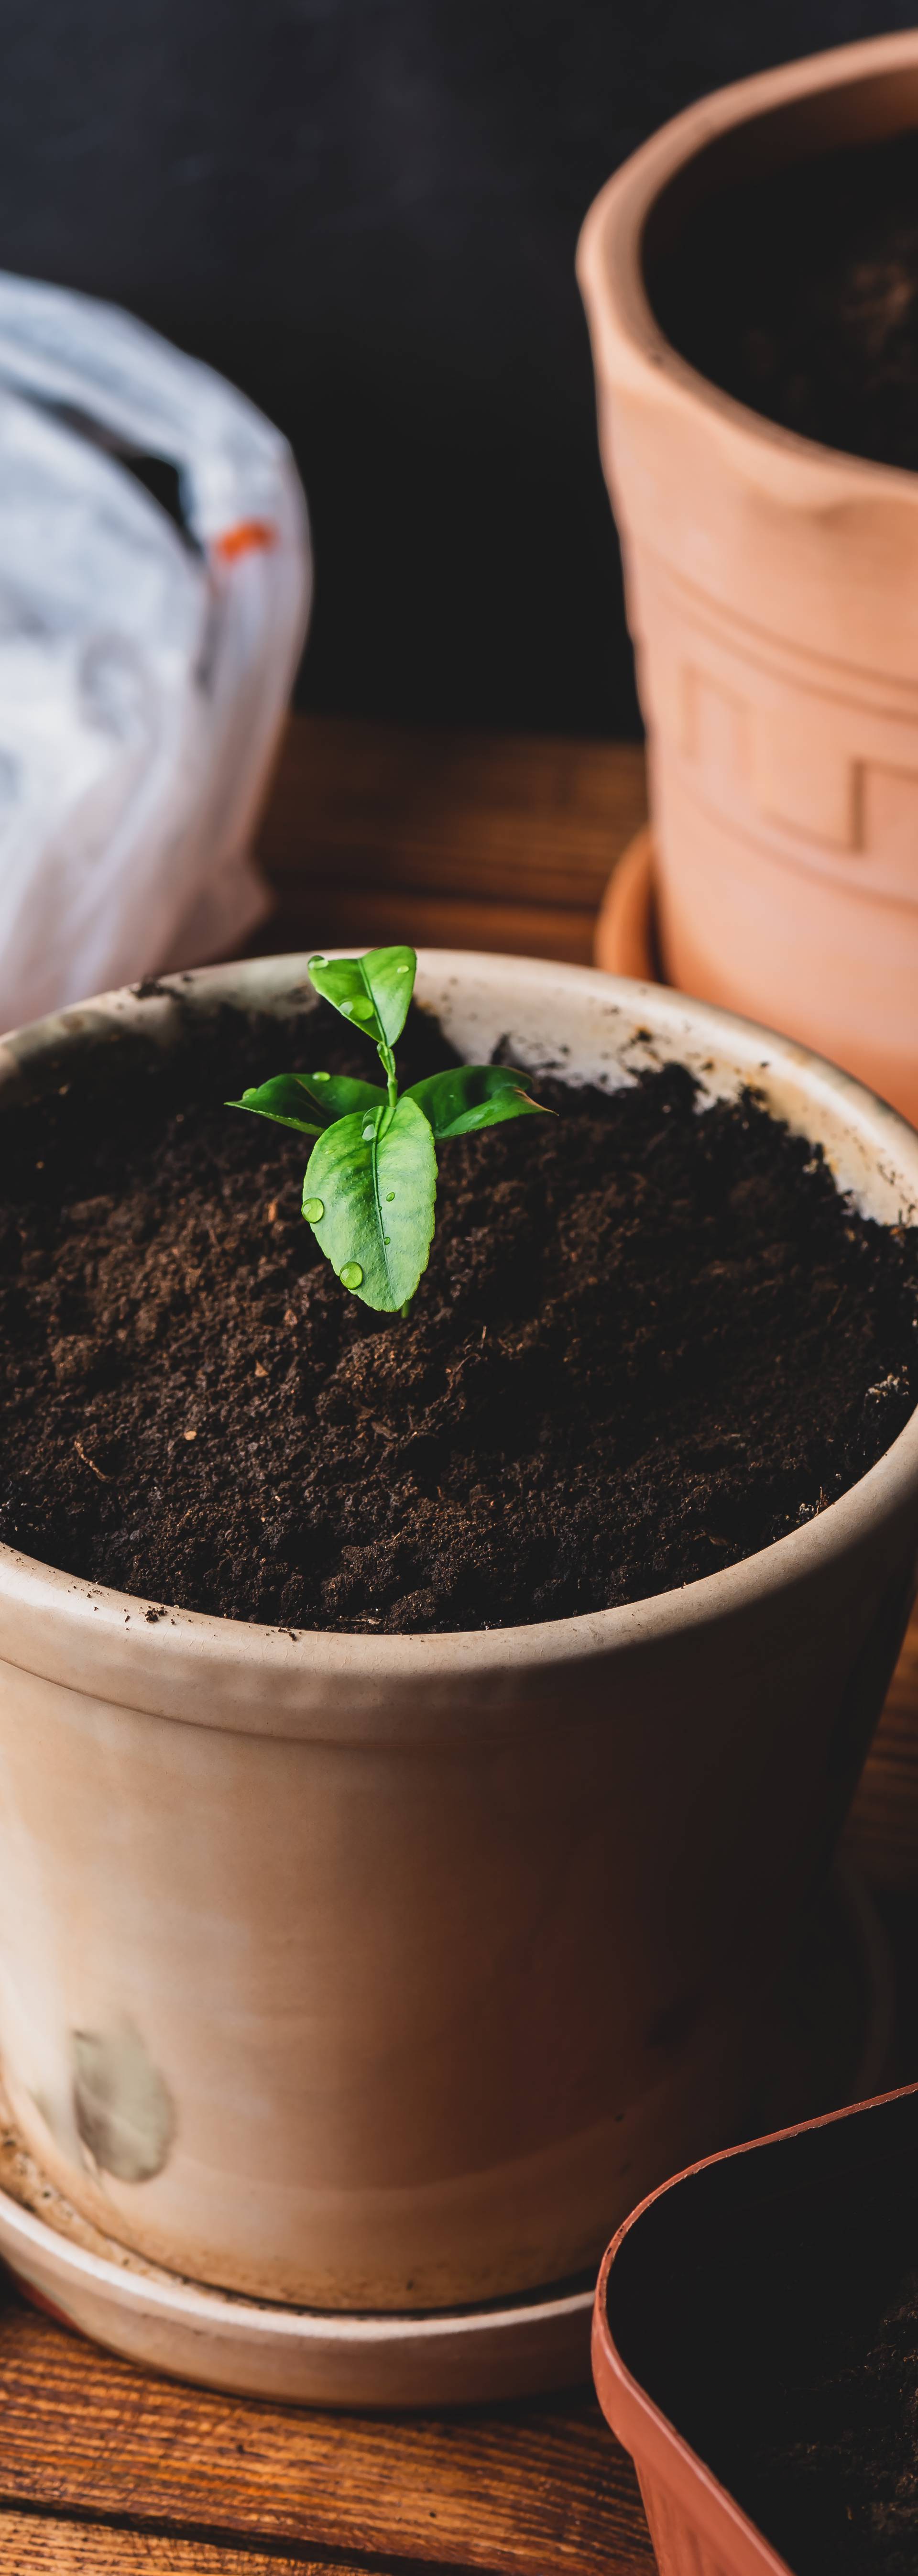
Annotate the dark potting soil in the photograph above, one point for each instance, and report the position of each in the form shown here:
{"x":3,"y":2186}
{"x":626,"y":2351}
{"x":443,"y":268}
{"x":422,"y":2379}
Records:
{"x":798,"y":293}
{"x":649,"y":1342}
{"x":832,"y":2477}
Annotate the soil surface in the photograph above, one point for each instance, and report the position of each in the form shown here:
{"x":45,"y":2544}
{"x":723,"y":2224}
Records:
{"x":835,"y":2482}
{"x":798,"y":293}
{"x":649,"y":1342}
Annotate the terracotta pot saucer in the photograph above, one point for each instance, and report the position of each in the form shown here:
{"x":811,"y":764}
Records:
{"x":826,"y":2039}
{"x":782,"y":2221}
{"x":626,"y":932}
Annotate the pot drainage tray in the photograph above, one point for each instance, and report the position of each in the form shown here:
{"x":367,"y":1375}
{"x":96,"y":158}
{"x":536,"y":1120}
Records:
{"x":825,"y":2045}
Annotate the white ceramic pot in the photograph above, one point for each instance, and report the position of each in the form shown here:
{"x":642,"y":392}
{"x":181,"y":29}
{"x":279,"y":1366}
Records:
{"x":772,"y":587}
{"x":389,"y":1972}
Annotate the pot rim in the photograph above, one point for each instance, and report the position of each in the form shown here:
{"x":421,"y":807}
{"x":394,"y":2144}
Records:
{"x":66,"y":1614}
{"x":630,"y":345}
{"x":641,"y":2426}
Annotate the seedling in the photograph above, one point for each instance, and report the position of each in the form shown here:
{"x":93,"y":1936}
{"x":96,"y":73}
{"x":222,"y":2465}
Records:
{"x":371,"y":1179}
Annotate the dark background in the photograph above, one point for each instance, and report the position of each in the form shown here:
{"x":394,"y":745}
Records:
{"x":365,"y":212}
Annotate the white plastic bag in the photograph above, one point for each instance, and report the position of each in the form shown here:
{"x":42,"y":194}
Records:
{"x":143,"y":675}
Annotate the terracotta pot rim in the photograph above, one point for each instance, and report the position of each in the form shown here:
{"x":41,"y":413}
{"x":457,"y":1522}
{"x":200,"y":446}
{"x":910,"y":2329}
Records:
{"x":635,"y":2419}
{"x":610,"y":271}
{"x":196,"y":1648}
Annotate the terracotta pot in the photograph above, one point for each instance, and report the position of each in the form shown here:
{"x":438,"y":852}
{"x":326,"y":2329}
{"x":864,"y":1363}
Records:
{"x":383,"y":1972}
{"x":771,"y":591}
{"x":707,"y":2289}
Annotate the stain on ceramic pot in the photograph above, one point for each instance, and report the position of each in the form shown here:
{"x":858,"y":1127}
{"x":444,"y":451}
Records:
{"x":122,"y":2106}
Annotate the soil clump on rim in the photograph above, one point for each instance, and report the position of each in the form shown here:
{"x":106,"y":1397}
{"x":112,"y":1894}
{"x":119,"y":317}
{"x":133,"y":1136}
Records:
{"x":649,"y":1342}
{"x":797,"y":292}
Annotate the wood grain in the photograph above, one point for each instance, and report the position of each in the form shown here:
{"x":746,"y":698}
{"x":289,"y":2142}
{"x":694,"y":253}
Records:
{"x":882,"y":1833}
{"x":449,"y":839}
{"x":533,"y":2487}
{"x":32,"y":2545}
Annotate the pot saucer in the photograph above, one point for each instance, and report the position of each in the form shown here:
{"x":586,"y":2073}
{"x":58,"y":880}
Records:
{"x":824,"y":2043}
{"x":625,"y":942}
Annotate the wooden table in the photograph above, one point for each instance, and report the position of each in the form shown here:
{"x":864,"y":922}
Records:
{"x":471,"y":841}
{"x":447,"y":840}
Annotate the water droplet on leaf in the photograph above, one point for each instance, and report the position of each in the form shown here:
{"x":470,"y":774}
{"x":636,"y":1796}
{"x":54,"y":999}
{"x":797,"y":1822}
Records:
{"x":362,"y":1008}
{"x":321,"y":1077}
{"x":351,"y":1276}
{"x":313,"y":1209}
{"x":369,"y":1131}
{"x":390,"y":1194}
{"x":387,"y":1238}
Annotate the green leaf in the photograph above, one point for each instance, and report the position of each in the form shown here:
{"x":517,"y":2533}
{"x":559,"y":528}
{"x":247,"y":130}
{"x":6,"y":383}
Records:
{"x":282,"y":1099}
{"x":474,"y":1095}
{"x":309,"y":1101}
{"x":375,"y":1185}
{"x":373,"y":991}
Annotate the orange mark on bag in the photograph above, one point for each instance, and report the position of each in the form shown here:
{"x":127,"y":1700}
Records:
{"x":250,"y":537}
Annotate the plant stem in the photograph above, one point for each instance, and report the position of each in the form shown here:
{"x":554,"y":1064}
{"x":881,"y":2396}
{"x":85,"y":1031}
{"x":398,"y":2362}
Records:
{"x":387,"y":1060}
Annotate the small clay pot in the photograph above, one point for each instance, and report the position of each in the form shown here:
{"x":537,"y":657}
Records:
{"x":704,"y":2291}
{"x":771,"y":588}
{"x":383,"y":1972}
